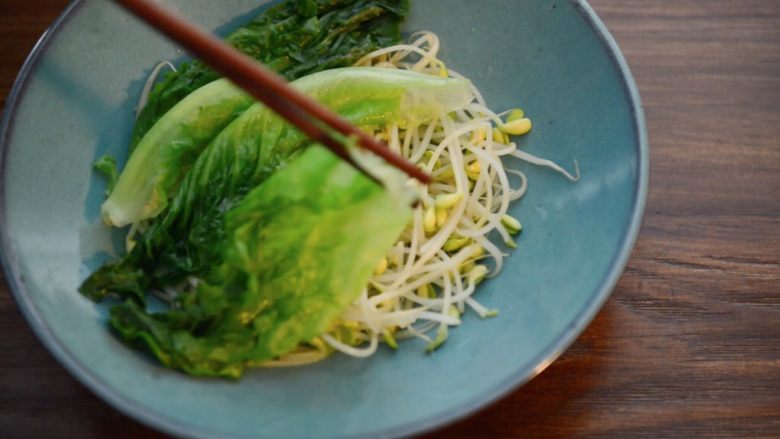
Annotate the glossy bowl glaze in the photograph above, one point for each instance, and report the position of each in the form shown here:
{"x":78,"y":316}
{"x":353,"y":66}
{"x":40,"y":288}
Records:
{"x":74,"y":100}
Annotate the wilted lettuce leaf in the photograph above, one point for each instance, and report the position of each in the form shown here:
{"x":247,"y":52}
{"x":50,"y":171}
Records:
{"x":168,"y":151}
{"x":295,"y":38}
{"x":298,"y":249}
{"x":183,"y":241}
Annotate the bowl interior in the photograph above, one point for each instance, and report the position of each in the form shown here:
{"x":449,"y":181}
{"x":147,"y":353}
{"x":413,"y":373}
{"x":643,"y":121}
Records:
{"x":548,"y":57}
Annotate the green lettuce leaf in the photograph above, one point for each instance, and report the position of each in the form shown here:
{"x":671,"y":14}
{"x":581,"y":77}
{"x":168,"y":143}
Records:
{"x":298,"y":250}
{"x":167,"y":152}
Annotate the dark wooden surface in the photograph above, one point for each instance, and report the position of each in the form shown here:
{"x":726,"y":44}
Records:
{"x":689,"y":343}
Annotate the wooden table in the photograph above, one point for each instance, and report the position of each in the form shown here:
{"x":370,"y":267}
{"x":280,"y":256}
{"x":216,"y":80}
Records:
{"x":689,"y":343}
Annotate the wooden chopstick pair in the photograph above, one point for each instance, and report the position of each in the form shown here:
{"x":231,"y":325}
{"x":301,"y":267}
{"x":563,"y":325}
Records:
{"x":266,"y":86}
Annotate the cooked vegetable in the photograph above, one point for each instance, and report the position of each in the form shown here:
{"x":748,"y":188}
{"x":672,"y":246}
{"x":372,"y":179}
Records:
{"x":295,"y":38}
{"x":298,"y":250}
{"x":182,"y":241}
{"x":169,"y":149}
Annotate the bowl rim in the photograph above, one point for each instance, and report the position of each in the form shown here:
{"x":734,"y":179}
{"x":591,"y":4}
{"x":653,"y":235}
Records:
{"x":524,"y":372}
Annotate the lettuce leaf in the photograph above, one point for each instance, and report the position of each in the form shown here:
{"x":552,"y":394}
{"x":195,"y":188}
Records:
{"x":167,"y":152}
{"x":299,"y":249}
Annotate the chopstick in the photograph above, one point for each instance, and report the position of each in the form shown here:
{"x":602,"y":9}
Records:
{"x":267,"y":87}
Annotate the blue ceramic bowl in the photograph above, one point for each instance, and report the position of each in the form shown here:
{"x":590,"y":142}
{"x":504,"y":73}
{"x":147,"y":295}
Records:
{"x":73,"y":102}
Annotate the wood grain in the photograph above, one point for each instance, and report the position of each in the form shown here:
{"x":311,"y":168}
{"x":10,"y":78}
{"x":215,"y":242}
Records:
{"x":689,"y":343}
